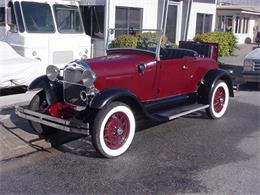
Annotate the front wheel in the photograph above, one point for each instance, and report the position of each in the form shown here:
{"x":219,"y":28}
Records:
{"x":39,"y":104}
{"x":113,"y":129}
{"x":219,"y":98}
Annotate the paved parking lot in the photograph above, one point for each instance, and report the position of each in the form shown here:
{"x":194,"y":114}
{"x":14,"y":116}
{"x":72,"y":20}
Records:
{"x":189,"y":155}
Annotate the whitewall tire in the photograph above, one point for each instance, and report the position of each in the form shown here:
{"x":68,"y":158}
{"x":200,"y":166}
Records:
{"x":113,"y":129}
{"x":219,"y":98}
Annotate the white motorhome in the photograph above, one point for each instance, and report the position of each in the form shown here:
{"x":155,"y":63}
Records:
{"x":51,"y":31}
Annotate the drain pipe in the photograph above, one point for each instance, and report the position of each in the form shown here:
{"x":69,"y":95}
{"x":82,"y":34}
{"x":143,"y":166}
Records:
{"x":187,"y":20}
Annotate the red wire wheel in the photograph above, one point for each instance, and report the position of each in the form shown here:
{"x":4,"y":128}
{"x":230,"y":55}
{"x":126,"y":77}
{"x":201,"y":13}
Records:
{"x":219,"y":99}
{"x":113,"y":129}
{"x":116,"y":130}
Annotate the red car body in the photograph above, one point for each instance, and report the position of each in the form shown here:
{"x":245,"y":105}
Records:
{"x":102,"y":97}
{"x":161,"y":79}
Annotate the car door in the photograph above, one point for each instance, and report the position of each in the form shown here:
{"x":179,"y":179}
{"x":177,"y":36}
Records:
{"x":176,"y":77}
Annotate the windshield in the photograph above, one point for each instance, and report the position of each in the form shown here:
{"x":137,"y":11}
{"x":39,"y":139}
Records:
{"x":38,"y":17}
{"x":68,"y":19}
{"x":145,"y":39}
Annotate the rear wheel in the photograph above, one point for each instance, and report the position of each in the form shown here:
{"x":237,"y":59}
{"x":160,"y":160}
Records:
{"x":113,"y":129}
{"x":39,"y":104}
{"x":219,"y":98}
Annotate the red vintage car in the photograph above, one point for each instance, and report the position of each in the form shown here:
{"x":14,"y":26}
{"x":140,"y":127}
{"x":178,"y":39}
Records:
{"x":103,"y":96}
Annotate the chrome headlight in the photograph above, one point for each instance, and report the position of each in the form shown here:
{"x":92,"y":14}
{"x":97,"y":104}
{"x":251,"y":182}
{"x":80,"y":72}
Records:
{"x":88,"y":77}
{"x":52,"y":72}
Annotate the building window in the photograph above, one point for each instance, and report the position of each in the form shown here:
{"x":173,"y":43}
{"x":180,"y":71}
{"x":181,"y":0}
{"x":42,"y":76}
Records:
{"x":2,"y":16}
{"x":128,"y":18}
{"x":224,"y":23}
{"x":204,"y":23}
{"x":93,"y":19}
{"x":241,"y":25}
{"x":68,"y":19}
{"x":171,"y":23}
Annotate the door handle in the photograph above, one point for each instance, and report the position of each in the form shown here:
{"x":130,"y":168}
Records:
{"x":184,"y":67}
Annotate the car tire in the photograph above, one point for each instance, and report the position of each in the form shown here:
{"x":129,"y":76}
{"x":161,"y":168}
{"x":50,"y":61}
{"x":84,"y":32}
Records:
{"x":218,"y":100}
{"x":39,"y":104}
{"x":113,"y":129}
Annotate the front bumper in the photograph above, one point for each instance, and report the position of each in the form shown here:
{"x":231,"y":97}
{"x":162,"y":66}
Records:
{"x":58,"y":123}
{"x":251,"y":76}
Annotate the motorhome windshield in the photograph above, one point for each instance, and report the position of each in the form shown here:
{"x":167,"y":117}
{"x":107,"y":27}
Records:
{"x":38,"y":17}
{"x":68,"y":19}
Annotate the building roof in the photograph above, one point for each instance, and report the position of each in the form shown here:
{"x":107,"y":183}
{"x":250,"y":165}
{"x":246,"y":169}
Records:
{"x":255,"y":10}
{"x":239,"y":2}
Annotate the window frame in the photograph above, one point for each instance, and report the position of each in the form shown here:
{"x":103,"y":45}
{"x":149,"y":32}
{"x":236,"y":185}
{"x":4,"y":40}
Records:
{"x":56,"y":21}
{"x":241,"y":25}
{"x":25,"y":22}
{"x":203,"y":23}
{"x":128,"y":30}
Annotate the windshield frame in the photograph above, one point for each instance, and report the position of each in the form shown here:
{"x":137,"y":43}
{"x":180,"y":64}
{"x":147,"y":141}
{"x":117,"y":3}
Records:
{"x":26,"y":22}
{"x":158,"y":44}
{"x":68,"y":7}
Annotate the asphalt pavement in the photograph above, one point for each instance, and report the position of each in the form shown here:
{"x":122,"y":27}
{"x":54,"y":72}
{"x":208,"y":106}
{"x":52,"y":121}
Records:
{"x":192,"y":154}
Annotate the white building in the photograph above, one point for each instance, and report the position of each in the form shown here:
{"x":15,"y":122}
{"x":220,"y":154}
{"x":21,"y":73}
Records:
{"x":182,"y":19}
{"x":242,"y":18}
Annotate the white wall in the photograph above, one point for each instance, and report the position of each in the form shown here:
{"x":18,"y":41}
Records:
{"x":149,"y":11}
{"x":241,"y":38}
{"x":205,"y":8}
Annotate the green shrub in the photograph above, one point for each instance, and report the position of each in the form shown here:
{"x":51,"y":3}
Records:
{"x":226,"y":40}
{"x":174,"y":45}
{"x":125,"y":41}
{"x":149,"y":39}
{"x":140,"y":40}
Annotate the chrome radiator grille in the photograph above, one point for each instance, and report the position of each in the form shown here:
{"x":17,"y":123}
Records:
{"x":72,"y":87}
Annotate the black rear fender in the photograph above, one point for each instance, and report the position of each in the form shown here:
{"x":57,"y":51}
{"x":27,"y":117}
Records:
{"x":53,"y":90}
{"x":210,"y":80}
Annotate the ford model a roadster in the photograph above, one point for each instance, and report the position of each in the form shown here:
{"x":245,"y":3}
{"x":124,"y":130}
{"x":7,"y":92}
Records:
{"x":102,"y":97}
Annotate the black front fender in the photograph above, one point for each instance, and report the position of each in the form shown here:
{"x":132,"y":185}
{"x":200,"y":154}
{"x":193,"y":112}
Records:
{"x":41,"y":82}
{"x":51,"y":89}
{"x":106,"y":96}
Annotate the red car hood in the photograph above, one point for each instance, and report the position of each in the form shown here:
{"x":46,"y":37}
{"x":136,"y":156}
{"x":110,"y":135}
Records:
{"x":118,"y":67}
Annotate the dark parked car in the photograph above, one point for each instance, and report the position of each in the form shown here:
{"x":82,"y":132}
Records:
{"x":257,"y":38}
{"x":251,"y":71}
{"x":102,"y":97}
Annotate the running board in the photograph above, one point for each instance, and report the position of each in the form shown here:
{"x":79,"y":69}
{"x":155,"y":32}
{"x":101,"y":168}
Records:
{"x":178,"y":112}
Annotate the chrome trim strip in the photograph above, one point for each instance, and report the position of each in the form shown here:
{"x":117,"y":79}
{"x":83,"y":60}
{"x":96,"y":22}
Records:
{"x":188,"y":112}
{"x":61,"y":124}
